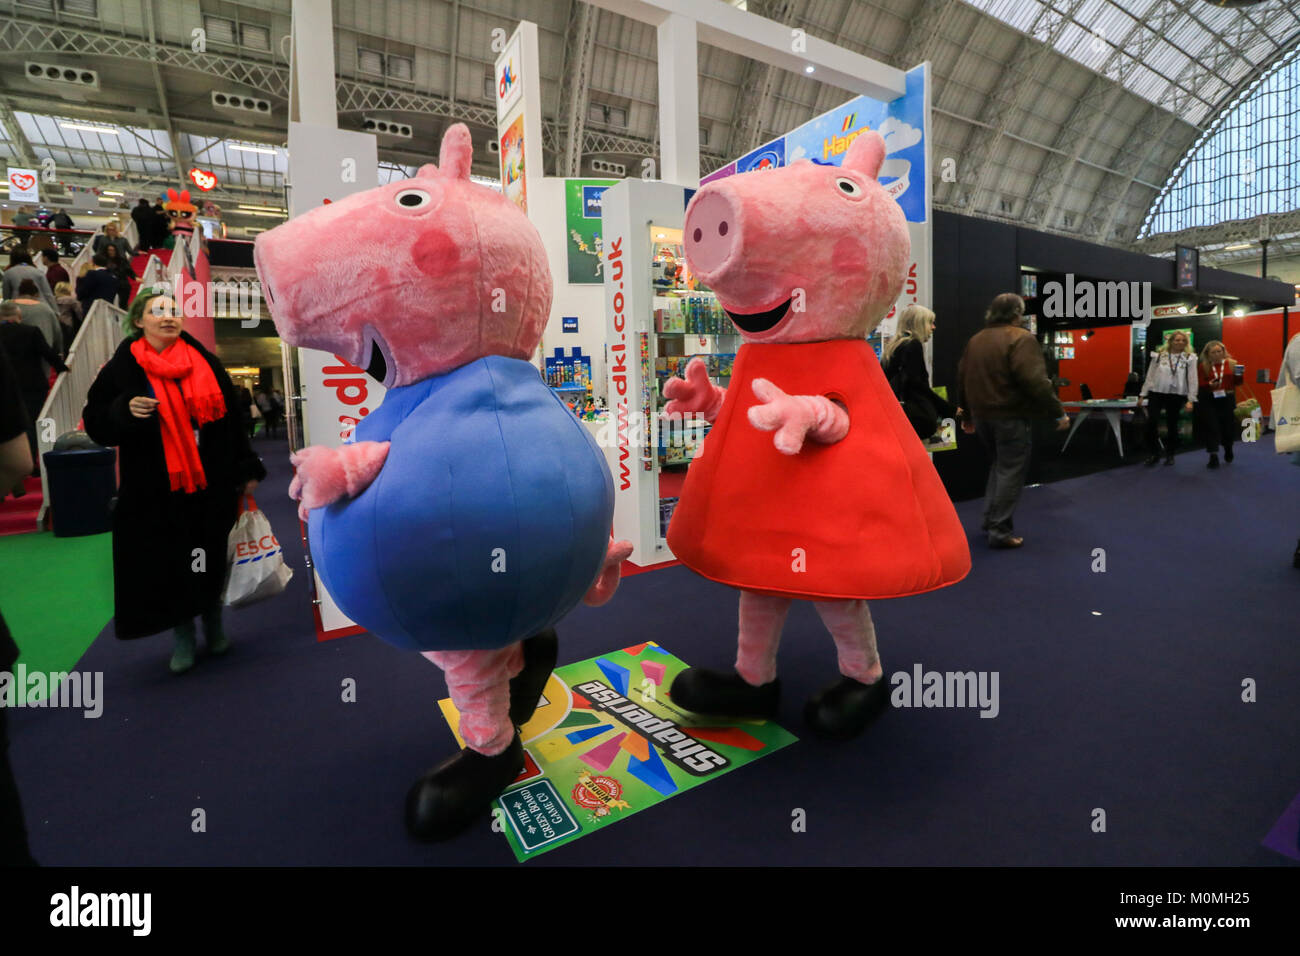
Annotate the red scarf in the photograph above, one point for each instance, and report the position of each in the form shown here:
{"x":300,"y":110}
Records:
{"x":187,"y":391}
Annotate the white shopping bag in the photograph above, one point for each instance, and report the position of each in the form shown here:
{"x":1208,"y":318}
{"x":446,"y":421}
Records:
{"x":1286,"y":416}
{"x":255,"y":566}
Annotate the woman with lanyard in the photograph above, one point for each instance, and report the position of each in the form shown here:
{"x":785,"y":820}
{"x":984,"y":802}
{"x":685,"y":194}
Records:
{"x":1217,"y":400}
{"x":1170,"y":387}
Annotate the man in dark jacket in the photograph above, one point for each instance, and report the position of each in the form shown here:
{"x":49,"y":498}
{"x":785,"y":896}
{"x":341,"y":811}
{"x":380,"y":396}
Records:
{"x":143,"y":217}
{"x":100,"y":282}
{"x":1004,"y":385}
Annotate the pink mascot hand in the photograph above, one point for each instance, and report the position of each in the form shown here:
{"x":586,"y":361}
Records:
{"x":324,"y":475}
{"x":610,"y":570}
{"x":695,"y":394}
{"x":796,"y":418}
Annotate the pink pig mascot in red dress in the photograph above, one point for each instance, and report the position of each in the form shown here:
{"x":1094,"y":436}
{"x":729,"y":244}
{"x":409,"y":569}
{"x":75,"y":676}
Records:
{"x":811,"y":484}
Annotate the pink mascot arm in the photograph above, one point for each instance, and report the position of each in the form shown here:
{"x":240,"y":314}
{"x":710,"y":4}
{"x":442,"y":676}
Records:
{"x":607,"y":581}
{"x":323,"y":475}
{"x":796,"y":418}
{"x":695,"y":394}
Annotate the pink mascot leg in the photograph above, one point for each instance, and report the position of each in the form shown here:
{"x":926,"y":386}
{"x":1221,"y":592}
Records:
{"x":845,"y":709}
{"x":855,"y":638}
{"x":753,"y":690}
{"x":479,"y":684}
{"x":761,"y":618}
{"x":496,"y":693}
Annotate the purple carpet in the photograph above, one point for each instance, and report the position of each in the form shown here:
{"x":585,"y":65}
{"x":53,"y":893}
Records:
{"x":1135,"y":711}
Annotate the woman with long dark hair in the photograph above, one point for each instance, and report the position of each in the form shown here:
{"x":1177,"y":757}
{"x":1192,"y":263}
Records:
{"x":173,"y":413}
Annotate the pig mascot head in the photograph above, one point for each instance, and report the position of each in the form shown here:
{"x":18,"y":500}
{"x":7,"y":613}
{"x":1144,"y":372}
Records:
{"x":412,"y":279}
{"x":817,"y":253}
{"x":811,"y":484}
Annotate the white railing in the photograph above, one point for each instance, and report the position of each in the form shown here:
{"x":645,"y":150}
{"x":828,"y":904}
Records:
{"x":96,"y":341}
{"x":154,"y":272}
{"x":84,"y":256}
{"x":131,"y":234}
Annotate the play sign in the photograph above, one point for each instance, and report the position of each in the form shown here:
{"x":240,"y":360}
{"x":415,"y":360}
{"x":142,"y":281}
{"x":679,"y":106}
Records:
{"x":23,"y":185}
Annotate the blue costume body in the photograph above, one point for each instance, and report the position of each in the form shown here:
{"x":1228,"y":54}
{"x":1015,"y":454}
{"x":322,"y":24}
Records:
{"x":487,"y":523}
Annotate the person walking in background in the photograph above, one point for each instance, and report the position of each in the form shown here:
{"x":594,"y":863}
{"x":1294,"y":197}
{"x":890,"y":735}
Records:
{"x":20,"y":268}
{"x":27,"y":351}
{"x":54,"y":272}
{"x":120,"y":267}
{"x":905,"y":368}
{"x":1169,"y":389}
{"x":170,"y":408}
{"x":142,"y":216}
{"x":100,"y":282}
{"x":111,"y":236}
{"x":36,"y":313}
{"x":22,"y":219}
{"x":1291,"y":368}
{"x":1003,"y":384}
{"x":63,"y":222}
{"x":1217,"y":400}
{"x":69,"y":313}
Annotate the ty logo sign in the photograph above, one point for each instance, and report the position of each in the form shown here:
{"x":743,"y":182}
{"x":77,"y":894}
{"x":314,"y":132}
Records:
{"x":23,"y":181}
{"x":507,"y":79}
{"x":203,"y":179}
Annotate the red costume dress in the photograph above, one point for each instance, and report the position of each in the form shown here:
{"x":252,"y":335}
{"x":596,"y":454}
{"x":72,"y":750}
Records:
{"x":863,"y":518}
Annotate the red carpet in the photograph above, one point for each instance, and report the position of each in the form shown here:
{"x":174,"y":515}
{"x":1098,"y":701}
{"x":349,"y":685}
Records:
{"x":18,"y":515}
{"x":139,"y":261}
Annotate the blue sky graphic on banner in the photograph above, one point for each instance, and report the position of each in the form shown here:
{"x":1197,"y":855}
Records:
{"x":826,"y":139}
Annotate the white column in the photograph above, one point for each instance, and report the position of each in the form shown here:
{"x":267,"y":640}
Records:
{"x":679,"y":101}
{"x":312,"y":97}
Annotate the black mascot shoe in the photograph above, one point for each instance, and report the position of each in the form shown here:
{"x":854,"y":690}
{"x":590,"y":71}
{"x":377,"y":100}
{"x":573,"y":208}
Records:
{"x":846,"y":708}
{"x":454,"y":795}
{"x":540,"y":653}
{"x":724,"y":695}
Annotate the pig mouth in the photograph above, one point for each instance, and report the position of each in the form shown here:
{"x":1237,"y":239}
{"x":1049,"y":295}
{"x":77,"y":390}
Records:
{"x":755,"y":322}
{"x":374,"y":351}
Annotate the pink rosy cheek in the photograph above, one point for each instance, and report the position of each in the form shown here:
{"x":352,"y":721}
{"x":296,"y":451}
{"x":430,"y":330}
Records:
{"x":436,"y":253}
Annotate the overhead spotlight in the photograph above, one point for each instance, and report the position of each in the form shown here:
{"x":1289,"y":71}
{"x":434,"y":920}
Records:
{"x":1089,"y":334}
{"x":809,"y":68}
{"x":1182,"y":310}
{"x":1239,"y":311}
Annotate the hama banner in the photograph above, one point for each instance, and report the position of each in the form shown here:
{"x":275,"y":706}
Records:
{"x":606,"y":742}
{"x":583,"y":224}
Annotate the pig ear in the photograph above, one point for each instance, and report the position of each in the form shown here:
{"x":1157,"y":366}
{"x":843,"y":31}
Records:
{"x":866,"y":154}
{"x":456,"y":153}
{"x":427,"y":171}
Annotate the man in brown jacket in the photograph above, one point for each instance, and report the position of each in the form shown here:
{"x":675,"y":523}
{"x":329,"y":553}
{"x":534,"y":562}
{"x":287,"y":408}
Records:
{"x":1004,"y":385}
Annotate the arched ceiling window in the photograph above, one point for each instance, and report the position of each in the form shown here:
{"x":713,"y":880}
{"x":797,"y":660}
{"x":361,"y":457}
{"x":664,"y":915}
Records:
{"x":1246,"y":164}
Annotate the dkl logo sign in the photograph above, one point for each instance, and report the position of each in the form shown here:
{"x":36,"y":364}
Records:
{"x":507,"y":80}
{"x":23,"y":185}
{"x":203,"y":179}
{"x":591,"y":201}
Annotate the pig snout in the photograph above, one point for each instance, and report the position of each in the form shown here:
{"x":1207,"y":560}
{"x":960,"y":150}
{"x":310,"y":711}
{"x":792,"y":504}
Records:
{"x":712,"y":231}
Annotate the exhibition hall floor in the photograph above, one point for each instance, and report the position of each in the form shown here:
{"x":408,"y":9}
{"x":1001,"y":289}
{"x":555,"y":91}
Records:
{"x":1118,"y":691}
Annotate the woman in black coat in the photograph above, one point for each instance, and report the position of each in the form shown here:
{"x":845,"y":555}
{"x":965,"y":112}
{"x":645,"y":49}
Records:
{"x":177,"y":502}
{"x":904,"y":366}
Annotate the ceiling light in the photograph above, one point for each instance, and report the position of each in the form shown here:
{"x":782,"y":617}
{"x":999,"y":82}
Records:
{"x":253,"y":149}
{"x":249,"y":208}
{"x":809,"y":68}
{"x":1240,"y":245}
{"x":1238,"y":311}
{"x":107,"y":193}
{"x":90,"y":129}
{"x":1182,"y":310}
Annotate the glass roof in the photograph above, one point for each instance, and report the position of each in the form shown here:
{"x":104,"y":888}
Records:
{"x":1184,"y":56}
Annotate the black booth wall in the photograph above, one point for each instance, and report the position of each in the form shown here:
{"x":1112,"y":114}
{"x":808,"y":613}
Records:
{"x":977,"y":259}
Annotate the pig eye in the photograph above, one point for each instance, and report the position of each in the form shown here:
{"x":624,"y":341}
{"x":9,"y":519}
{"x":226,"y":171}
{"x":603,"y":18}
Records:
{"x":413,"y":198}
{"x":849,"y":187}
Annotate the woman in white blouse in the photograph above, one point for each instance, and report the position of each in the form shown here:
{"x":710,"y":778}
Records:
{"x":1170,"y":388}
